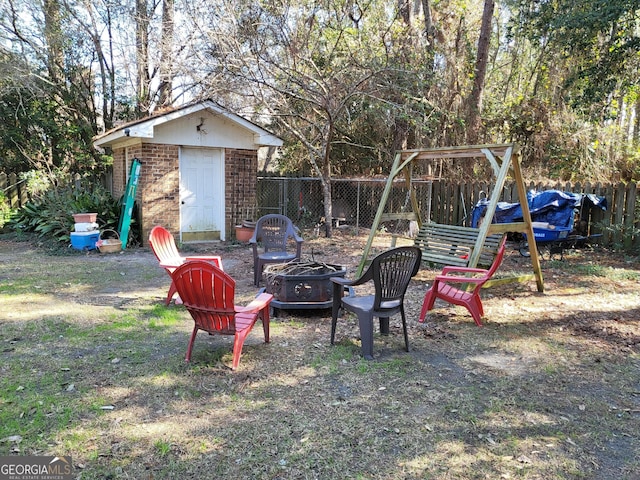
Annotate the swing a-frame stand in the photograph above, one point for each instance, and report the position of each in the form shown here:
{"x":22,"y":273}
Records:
{"x":504,"y":159}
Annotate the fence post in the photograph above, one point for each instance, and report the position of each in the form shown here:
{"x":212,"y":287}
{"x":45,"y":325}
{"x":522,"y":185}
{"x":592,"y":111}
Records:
{"x":12,"y":191}
{"x":629,"y":216}
{"x":618,"y":213}
{"x":636,"y":210}
{"x":358,"y":207}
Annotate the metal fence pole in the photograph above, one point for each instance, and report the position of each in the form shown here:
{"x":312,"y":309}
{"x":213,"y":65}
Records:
{"x":358,"y":209}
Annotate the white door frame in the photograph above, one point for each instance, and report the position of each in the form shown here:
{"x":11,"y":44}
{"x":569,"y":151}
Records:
{"x":202,"y":189}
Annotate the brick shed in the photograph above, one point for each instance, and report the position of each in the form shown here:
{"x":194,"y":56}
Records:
{"x":199,"y":169}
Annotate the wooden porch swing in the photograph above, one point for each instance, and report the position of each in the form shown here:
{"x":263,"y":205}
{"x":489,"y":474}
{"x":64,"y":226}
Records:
{"x":459,"y":245}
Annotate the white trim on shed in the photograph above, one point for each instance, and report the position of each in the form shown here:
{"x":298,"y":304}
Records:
{"x":203,"y":124}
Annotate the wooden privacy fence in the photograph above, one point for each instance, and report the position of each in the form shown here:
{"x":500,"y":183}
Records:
{"x":15,"y":191}
{"x":453,"y":203}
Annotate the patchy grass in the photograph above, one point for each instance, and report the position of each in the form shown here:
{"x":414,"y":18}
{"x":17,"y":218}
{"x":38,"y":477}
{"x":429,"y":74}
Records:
{"x":93,"y":367}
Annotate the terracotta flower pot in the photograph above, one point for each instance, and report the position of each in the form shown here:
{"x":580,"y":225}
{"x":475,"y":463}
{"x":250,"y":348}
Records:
{"x":243,"y":234}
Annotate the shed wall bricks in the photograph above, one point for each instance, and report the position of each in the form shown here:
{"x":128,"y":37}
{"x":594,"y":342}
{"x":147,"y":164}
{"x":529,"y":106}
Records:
{"x":158,"y":193}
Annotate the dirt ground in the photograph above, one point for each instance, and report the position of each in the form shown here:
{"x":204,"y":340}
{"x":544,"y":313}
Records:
{"x":581,"y":290}
{"x":568,"y":357}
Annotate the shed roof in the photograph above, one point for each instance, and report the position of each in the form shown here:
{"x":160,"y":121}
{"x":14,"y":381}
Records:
{"x":145,"y":128}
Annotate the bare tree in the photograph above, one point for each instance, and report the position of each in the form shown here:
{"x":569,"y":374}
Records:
{"x":482,"y":57}
{"x":95,"y":20}
{"x":303,"y":66}
{"x":51,"y":87}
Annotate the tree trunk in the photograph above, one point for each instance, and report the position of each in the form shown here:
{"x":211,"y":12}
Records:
{"x":165,"y":98}
{"x":326,"y":182}
{"x":111,"y":107}
{"x":475,"y":101}
{"x":55,"y":62}
{"x":408,"y":9}
{"x":636,"y":130}
{"x":53,"y":39}
{"x":328,"y":207}
{"x":104,"y":57}
{"x":142,"y":58}
{"x":429,"y":27}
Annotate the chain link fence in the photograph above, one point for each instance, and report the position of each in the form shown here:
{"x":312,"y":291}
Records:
{"x":354,"y":201}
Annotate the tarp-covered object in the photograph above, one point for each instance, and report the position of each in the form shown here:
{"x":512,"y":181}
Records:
{"x":548,"y":206}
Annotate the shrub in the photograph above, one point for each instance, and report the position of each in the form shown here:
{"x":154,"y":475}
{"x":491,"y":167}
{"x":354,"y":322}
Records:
{"x":50,"y":216}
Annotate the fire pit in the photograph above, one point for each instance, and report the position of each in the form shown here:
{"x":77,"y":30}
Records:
{"x":299,"y":285}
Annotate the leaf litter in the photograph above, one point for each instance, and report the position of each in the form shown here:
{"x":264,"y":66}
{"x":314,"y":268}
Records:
{"x":548,"y":388}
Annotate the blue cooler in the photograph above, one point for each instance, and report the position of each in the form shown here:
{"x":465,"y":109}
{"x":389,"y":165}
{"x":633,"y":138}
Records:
{"x":84,"y":240}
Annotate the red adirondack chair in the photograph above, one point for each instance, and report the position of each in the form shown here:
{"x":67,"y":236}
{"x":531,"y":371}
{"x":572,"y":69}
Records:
{"x":208,"y":294}
{"x":442,"y":287}
{"x":164,"y":248}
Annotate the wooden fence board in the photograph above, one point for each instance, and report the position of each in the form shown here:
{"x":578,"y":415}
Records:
{"x":629,"y":217}
{"x":618,"y":213}
{"x":452,"y":204}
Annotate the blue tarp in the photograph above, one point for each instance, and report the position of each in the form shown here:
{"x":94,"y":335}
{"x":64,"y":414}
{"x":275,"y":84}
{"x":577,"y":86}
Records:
{"x":551,"y":206}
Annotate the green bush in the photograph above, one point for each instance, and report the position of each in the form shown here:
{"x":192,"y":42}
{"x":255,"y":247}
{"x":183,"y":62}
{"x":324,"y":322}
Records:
{"x":50,"y":217}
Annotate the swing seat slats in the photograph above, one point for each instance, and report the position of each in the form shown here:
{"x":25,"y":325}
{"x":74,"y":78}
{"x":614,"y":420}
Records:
{"x":453,"y":245}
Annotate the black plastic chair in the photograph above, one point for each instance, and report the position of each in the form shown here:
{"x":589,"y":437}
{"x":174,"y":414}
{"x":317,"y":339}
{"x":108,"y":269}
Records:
{"x":391,"y":272}
{"x":273,"y":232}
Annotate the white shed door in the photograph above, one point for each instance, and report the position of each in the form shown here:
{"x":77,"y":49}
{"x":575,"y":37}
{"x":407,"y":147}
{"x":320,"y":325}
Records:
{"x":202,"y":209}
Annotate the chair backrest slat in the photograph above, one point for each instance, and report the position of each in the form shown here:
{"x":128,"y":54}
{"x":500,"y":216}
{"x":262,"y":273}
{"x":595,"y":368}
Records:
{"x":208,"y":293}
{"x":392,"y":271}
{"x":273,"y":231}
{"x":163,"y":245}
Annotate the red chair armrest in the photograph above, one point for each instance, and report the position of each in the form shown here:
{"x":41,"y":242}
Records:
{"x":261,"y":301}
{"x":173,"y":263}
{"x":449,"y":269}
{"x":214,"y":259}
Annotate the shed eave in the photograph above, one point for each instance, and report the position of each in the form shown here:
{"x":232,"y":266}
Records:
{"x":144,"y":128}
{"x":267,"y":140}
{"x":122,"y":135}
